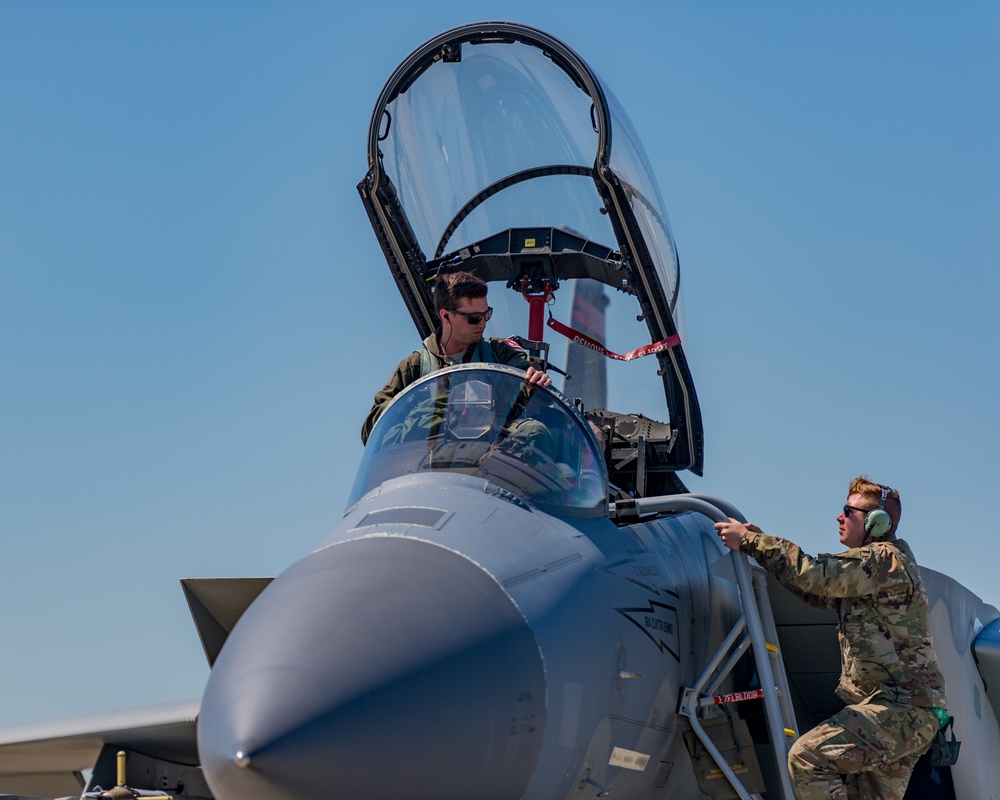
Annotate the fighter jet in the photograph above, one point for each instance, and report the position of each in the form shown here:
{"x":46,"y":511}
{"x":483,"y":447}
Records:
{"x":522,"y":600}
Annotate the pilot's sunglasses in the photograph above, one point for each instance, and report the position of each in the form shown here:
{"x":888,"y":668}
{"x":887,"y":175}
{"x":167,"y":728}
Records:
{"x":849,"y":509}
{"x":473,"y":317}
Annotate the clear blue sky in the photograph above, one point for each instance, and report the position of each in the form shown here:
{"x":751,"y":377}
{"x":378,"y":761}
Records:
{"x":194,"y":312}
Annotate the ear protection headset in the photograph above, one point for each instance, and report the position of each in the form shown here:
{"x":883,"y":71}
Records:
{"x":878,"y":522}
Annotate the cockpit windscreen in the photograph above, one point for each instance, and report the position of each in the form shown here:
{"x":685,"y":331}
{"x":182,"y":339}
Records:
{"x":487,"y":422}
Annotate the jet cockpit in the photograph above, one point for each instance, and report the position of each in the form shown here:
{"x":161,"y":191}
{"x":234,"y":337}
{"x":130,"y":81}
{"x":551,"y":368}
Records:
{"x":495,"y":149}
{"x":486,"y":422}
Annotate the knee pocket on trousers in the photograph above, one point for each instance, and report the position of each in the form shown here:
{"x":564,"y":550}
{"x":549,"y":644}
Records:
{"x":831,"y":749}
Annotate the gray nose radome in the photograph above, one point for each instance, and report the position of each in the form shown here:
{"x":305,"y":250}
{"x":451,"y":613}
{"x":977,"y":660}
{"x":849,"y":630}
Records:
{"x":382,"y":668}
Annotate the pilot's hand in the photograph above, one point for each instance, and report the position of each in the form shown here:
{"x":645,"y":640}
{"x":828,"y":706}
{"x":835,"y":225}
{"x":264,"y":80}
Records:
{"x":731,"y":533}
{"x":537,"y":378}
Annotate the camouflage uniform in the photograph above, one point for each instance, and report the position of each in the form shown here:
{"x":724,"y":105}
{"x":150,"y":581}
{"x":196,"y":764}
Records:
{"x":890,"y":677}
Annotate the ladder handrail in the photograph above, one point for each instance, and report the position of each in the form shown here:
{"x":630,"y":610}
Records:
{"x":771,"y":631}
{"x":719,"y":510}
{"x":767,"y":615}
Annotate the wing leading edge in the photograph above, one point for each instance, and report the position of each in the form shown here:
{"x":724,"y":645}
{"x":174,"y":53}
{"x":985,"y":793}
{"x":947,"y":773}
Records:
{"x":47,"y":759}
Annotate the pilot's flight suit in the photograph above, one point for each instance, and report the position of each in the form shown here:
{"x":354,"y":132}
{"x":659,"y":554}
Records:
{"x":890,"y":676}
{"x":430,"y":359}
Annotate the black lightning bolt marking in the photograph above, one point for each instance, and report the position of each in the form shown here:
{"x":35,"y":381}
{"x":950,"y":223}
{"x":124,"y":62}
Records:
{"x":659,"y":622}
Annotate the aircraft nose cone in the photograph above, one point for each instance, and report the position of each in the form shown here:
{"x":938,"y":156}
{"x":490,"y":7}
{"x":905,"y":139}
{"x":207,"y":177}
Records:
{"x":381,"y":668}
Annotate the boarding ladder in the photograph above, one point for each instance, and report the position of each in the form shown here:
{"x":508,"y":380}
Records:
{"x":755,"y":630}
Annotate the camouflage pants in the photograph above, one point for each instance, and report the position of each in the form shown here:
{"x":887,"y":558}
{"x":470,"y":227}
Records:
{"x":865,"y":752}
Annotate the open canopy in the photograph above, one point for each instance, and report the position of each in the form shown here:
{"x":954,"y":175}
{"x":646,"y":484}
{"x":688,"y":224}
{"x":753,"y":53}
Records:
{"x":494,"y":148}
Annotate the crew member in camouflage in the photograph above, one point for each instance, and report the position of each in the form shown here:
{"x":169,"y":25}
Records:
{"x":890,"y":677}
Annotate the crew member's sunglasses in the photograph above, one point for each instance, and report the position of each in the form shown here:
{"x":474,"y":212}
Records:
{"x":473,"y":317}
{"x":849,"y":509}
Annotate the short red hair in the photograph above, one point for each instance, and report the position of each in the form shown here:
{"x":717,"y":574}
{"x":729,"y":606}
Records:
{"x":872,"y":492}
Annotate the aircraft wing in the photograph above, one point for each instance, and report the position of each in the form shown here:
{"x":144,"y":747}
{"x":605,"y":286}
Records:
{"x":47,"y":759}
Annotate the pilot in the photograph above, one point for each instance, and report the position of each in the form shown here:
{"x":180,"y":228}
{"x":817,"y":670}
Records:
{"x":890,"y":677}
{"x":460,"y":304}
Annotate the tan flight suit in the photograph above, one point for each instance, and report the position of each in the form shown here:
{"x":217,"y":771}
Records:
{"x":890,"y":676}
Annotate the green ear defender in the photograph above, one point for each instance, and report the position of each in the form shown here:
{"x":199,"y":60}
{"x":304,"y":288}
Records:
{"x":878,"y":521}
